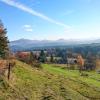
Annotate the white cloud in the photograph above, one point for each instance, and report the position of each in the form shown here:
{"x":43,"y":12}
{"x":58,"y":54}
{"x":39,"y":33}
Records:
{"x":28,"y":28}
{"x":33,"y":12}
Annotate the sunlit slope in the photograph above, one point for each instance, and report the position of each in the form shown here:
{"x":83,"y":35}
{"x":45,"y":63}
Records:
{"x":49,"y":83}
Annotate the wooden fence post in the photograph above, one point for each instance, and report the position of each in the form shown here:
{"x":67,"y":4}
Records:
{"x":9,"y":69}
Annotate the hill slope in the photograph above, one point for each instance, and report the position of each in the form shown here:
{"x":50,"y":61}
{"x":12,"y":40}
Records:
{"x":49,"y":83}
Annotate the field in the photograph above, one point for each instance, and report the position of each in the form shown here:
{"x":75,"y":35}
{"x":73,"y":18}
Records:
{"x":52,"y":82}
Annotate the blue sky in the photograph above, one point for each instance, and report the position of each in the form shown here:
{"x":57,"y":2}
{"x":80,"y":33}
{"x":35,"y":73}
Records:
{"x":51,"y":19}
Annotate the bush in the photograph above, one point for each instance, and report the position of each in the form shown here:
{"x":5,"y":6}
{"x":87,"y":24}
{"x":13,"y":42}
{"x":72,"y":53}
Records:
{"x":84,"y":74}
{"x":89,"y":66}
{"x":36,"y":65}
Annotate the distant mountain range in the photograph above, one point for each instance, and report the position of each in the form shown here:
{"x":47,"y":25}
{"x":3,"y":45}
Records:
{"x":26,"y":44}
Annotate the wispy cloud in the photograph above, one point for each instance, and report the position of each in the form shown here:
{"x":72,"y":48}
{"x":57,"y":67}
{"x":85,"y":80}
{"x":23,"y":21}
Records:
{"x":28,"y":28}
{"x":33,"y":12}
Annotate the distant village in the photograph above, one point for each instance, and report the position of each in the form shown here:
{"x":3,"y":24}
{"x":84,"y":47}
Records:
{"x":59,"y":57}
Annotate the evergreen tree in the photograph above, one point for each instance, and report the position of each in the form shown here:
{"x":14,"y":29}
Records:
{"x":3,"y":41}
{"x":90,"y":61}
{"x":52,"y":58}
{"x":69,"y":53}
{"x":42,"y":57}
{"x":90,"y":57}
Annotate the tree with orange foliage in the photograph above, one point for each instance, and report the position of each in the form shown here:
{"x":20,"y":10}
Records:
{"x":80,"y":62}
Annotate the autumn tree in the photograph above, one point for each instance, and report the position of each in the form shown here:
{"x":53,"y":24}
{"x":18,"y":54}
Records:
{"x":3,"y":41}
{"x":31,"y":57}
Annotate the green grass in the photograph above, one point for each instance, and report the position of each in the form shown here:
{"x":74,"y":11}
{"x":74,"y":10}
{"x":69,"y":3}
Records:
{"x":49,"y":83}
{"x":59,"y":71}
{"x":92,"y":79}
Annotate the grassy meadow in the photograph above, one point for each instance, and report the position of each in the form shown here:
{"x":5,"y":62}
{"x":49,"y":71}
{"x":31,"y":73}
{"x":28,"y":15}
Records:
{"x":52,"y":82}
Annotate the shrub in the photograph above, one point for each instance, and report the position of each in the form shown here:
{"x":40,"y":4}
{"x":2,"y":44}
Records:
{"x":37,"y":65}
{"x":84,"y":74}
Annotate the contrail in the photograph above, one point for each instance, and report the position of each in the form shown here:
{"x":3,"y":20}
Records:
{"x":33,"y":12}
